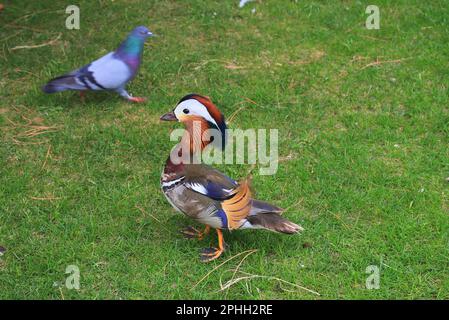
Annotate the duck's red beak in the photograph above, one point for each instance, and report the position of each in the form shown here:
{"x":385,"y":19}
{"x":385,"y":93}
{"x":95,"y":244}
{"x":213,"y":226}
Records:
{"x":169,"y":117}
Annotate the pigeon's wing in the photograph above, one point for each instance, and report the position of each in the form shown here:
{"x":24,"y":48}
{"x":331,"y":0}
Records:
{"x":106,"y":73}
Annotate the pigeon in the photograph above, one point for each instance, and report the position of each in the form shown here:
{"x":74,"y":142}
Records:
{"x":111,"y":72}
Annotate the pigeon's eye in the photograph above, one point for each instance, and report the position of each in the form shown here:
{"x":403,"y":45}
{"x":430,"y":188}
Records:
{"x":186,"y":111}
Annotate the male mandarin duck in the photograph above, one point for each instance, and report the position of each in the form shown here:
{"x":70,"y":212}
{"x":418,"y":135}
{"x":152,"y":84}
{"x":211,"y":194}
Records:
{"x":204,"y":193}
{"x":111,"y":72}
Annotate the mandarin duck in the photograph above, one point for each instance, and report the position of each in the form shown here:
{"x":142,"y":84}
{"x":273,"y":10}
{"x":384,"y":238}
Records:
{"x":205,"y":194}
{"x":111,"y":72}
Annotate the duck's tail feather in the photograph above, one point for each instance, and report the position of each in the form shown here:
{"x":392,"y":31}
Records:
{"x":258,"y":206}
{"x":274,"y":222}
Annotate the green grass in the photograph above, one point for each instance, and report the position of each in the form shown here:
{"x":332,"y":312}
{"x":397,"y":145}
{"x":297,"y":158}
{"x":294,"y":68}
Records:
{"x":369,"y":146}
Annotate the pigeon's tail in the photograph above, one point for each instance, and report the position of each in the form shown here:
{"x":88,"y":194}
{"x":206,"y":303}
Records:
{"x":62,"y":83}
{"x":266,"y":216}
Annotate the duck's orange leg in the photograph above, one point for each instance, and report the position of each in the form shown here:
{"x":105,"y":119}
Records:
{"x":192,"y":233}
{"x":209,"y":254}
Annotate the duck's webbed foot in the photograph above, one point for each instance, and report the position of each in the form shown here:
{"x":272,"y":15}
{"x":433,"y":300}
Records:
{"x":192,"y":233}
{"x":209,"y":254}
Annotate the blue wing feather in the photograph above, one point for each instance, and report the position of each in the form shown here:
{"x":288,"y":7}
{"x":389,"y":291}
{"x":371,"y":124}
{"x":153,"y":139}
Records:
{"x":214,"y":189}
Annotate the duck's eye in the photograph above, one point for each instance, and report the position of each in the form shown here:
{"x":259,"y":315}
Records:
{"x":186,"y":111}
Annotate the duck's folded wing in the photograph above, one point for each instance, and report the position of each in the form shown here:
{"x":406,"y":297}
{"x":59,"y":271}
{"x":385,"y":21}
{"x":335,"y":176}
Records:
{"x":238,"y":207}
{"x":210,"y":182}
{"x":264,"y":207}
{"x":233,"y":199}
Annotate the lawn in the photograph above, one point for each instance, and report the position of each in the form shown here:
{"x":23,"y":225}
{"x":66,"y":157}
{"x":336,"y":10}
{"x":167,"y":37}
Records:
{"x":363,"y":119}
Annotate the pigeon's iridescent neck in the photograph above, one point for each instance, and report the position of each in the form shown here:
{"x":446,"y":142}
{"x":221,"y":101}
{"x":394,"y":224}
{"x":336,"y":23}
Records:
{"x":131,"y":50}
{"x":132,"y":46}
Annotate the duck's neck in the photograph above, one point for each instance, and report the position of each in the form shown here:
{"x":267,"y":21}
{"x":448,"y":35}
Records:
{"x":186,"y":151}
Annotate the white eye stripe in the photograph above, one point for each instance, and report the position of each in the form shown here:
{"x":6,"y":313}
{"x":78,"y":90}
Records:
{"x":196,"y":108}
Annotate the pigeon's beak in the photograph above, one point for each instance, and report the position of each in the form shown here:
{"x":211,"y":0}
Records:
{"x":150,"y":34}
{"x":169,"y":117}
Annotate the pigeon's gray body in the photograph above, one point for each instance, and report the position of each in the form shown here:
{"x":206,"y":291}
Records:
{"x":106,"y":73}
